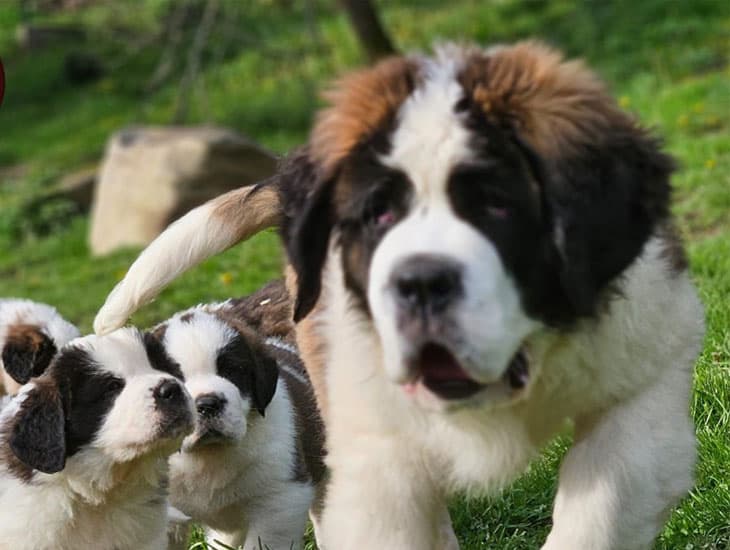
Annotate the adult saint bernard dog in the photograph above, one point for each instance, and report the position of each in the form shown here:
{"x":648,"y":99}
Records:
{"x":482,"y":250}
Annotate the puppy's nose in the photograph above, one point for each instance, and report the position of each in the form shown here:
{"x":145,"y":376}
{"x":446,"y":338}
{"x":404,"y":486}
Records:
{"x":209,"y":404}
{"x":426,"y":283}
{"x":168,"y":391}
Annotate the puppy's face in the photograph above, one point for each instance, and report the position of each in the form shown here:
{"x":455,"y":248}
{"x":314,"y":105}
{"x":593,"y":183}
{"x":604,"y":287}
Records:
{"x":107,"y":398}
{"x":226,"y":373}
{"x":474,"y":198}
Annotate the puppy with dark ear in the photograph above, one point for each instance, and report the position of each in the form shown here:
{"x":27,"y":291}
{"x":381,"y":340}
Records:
{"x":38,"y":437}
{"x":84,"y":448}
{"x":30,"y":335}
{"x":253,"y":467}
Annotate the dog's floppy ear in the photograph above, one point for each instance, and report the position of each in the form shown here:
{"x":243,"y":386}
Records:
{"x":265,"y":375}
{"x":245,"y":363}
{"x":38,"y":436}
{"x":309,"y":218}
{"x":605,"y":202}
{"x":27,"y":352}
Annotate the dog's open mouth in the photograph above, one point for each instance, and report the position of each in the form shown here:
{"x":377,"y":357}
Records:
{"x":440,"y":371}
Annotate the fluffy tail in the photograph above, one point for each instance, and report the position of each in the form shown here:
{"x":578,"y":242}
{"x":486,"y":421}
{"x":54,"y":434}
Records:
{"x":201,"y":233}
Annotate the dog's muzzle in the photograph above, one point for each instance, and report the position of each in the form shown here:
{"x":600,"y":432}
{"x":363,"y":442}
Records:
{"x":209,"y":429}
{"x":427,"y":289}
{"x":173,"y":403}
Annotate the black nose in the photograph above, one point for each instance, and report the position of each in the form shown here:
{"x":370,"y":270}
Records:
{"x":427,"y":284}
{"x":209,"y":404}
{"x":168,"y":391}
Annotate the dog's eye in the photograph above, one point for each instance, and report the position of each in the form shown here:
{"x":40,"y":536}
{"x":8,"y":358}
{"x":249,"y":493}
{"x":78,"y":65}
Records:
{"x":114,"y":386}
{"x":487,"y":186}
{"x":497,"y":206}
{"x":379,"y":210}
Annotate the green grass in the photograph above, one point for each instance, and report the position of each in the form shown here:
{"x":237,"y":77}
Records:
{"x":666,"y":60}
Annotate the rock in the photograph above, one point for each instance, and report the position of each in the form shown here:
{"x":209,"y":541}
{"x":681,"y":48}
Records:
{"x":151,"y":176}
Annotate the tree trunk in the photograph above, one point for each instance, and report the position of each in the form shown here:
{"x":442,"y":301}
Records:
{"x":373,"y":37}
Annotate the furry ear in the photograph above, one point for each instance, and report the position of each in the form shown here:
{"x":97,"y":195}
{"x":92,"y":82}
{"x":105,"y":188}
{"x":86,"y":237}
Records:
{"x":309,"y":218}
{"x":265,"y":374}
{"x":38,"y":436}
{"x":605,"y":203}
{"x":27,"y":352}
{"x":245,"y":363}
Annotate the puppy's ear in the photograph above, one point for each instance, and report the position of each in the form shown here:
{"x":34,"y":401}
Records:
{"x":245,"y":362}
{"x":265,"y":377}
{"x":27,"y":352}
{"x":38,"y":436}
{"x":309,"y":218}
{"x":606,"y":201}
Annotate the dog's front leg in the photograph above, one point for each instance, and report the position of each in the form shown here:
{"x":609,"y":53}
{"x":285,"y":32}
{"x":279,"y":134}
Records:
{"x":381,"y":496}
{"x":627,"y":468}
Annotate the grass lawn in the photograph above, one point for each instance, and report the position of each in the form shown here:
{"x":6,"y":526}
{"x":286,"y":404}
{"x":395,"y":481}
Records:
{"x":666,"y":60}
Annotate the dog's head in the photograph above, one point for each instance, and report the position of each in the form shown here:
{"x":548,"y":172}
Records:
{"x":31,"y":333}
{"x":226,"y":371}
{"x":104,"y":400}
{"x":472,"y":198}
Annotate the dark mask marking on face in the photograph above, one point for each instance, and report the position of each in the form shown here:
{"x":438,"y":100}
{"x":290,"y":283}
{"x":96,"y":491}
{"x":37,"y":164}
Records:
{"x":158,"y":356}
{"x":250,"y":369}
{"x":88,"y":394}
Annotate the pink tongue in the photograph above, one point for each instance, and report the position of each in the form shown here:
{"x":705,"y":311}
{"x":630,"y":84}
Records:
{"x":438,"y":364}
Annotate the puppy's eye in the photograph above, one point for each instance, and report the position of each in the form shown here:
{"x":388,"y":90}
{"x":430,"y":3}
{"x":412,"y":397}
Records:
{"x":114,"y":386}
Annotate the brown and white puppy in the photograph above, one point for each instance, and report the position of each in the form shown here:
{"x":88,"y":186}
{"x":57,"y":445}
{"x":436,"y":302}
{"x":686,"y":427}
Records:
{"x":30,"y":335}
{"x":249,"y":471}
{"x":483,"y":251}
{"x":84,"y":447}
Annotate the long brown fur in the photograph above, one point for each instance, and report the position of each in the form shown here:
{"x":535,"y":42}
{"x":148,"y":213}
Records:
{"x":555,"y":104}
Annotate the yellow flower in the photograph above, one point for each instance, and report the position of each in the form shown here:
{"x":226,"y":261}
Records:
{"x":226,"y":278}
{"x":683,"y":120}
{"x":698,"y":108}
{"x":710,"y":164}
{"x":624,"y":101}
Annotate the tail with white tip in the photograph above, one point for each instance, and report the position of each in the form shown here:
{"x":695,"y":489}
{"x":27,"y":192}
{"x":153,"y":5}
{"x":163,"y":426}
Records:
{"x":201,"y":233}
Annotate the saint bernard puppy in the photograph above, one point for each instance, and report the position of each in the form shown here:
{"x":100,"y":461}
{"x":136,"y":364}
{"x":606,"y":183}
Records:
{"x":30,"y":335}
{"x":84,"y":447}
{"x":249,"y":471}
{"x":482,"y":251}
